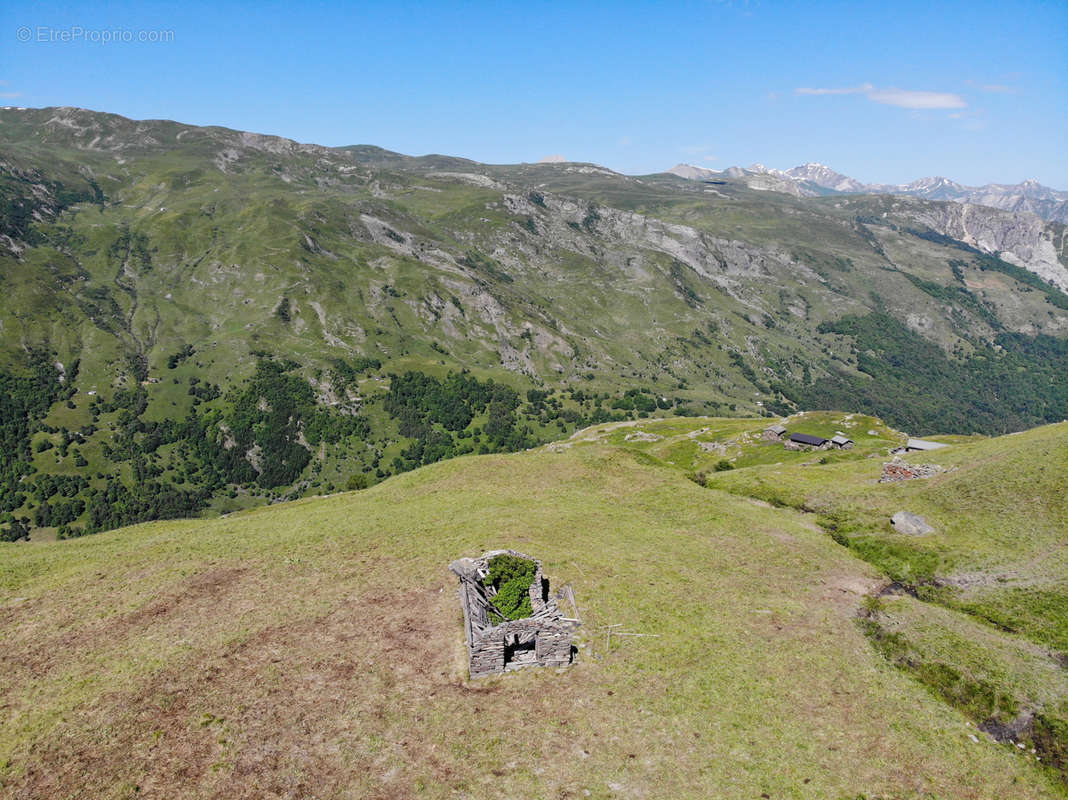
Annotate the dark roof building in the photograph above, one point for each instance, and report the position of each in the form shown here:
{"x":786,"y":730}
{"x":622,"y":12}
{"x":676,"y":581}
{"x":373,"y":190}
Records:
{"x":804,"y":438}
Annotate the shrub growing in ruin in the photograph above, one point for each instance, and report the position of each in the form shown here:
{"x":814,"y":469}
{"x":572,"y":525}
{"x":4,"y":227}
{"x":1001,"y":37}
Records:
{"x":511,"y":576}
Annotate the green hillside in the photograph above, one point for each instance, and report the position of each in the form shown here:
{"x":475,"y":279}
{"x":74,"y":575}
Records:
{"x":316,"y":648}
{"x":999,"y":547}
{"x":195,"y":321}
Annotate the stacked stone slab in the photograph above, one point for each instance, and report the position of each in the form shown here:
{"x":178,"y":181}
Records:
{"x":901,"y":470}
{"x":505,"y":646}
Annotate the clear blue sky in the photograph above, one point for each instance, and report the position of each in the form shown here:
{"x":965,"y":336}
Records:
{"x":890,"y":92}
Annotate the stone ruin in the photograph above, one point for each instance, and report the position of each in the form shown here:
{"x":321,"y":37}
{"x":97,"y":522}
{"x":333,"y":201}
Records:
{"x":900,"y":470}
{"x":545,"y":638}
{"x":773,"y":433}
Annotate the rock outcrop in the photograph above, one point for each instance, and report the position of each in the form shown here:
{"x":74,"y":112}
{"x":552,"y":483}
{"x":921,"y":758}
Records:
{"x":911,"y":524}
{"x":1023,"y":240}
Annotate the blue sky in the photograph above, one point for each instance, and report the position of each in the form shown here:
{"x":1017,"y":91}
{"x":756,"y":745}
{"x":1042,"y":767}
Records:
{"x":881,"y":91}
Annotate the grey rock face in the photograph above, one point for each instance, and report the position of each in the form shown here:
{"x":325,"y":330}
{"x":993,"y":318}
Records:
{"x":1012,"y":228}
{"x":912,"y":524}
{"x":1021,"y":239}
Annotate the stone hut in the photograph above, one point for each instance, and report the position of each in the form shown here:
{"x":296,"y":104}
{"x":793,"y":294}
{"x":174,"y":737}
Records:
{"x":842,"y":442}
{"x":545,"y":638}
{"x":773,"y":433}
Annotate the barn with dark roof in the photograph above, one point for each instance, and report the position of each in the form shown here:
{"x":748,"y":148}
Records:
{"x":798,"y":441}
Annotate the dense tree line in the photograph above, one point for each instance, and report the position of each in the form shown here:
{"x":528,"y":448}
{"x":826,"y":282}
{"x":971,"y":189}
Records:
{"x":263,"y":436}
{"x":117,"y":505}
{"x":277,"y":414}
{"x":1014,"y":383}
{"x":24,"y":400}
{"x":46,"y":486}
{"x":430,"y":411}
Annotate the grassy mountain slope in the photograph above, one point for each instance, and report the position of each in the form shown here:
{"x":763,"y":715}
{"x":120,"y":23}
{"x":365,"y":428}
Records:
{"x":316,"y":647}
{"x":976,"y":610}
{"x":999,"y":547}
{"x":149,"y":268}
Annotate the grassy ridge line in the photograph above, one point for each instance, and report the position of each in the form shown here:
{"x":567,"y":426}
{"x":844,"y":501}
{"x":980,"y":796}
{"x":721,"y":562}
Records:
{"x":316,"y":647}
{"x":992,"y":682}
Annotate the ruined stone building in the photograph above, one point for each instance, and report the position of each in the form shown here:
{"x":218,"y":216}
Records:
{"x":900,"y":470}
{"x":774,"y":433}
{"x":545,"y":638}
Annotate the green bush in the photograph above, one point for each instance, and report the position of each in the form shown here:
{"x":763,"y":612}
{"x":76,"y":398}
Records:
{"x":511,"y":576}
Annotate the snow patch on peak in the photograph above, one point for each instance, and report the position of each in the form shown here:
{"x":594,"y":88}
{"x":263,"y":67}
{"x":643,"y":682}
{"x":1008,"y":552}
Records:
{"x":814,"y":178}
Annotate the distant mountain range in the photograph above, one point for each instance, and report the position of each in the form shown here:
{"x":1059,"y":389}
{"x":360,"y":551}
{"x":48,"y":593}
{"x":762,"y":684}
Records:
{"x":202,"y":320}
{"x":813,"y":180}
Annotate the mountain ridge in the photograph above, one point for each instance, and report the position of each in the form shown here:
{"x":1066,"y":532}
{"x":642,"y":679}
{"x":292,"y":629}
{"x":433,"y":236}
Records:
{"x":813,"y":179}
{"x":199,"y":320}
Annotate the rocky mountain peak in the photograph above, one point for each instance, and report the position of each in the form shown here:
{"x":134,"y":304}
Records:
{"x":814,"y":178}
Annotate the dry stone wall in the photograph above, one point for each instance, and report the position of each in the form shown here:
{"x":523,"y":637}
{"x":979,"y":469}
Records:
{"x":545,"y":638}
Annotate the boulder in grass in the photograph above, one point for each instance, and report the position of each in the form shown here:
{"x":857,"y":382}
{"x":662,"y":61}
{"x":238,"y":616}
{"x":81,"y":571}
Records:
{"x":912,"y":524}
